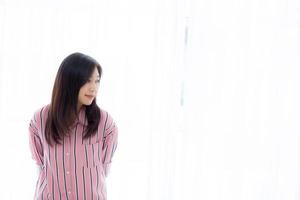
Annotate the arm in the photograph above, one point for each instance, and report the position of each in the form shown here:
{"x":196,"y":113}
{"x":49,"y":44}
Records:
{"x":110,"y":142}
{"x":35,"y":142}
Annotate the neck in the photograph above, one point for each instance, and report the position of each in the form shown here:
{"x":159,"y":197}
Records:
{"x":78,"y":107}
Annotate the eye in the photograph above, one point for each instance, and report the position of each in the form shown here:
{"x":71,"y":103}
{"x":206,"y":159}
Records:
{"x":98,"y":81}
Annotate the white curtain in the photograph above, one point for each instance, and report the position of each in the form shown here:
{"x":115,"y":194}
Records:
{"x":205,"y":93}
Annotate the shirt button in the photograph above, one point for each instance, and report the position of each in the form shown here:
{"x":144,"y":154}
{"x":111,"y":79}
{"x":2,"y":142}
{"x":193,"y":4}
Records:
{"x":69,"y":192}
{"x":68,"y":172}
{"x":67,"y":153}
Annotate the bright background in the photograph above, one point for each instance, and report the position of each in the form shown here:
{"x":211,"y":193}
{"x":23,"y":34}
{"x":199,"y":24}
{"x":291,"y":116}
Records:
{"x":205,"y":93}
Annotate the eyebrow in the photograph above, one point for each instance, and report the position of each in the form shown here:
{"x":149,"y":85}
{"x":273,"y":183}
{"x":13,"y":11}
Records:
{"x":96,"y":77}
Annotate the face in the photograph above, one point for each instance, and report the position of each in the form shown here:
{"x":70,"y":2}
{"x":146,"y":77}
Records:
{"x":88,"y":91}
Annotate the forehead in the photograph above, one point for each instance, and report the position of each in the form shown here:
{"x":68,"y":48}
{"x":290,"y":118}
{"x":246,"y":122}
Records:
{"x":95,"y":73}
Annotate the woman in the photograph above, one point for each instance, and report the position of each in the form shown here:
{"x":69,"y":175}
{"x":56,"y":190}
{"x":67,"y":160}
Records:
{"x":72,"y":140}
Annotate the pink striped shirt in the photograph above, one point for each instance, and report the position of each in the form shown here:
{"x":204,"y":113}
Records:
{"x":77,"y":168}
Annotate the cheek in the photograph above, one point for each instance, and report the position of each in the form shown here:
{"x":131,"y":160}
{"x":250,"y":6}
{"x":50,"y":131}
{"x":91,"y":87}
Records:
{"x":81,"y":93}
{"x":83,"y":89}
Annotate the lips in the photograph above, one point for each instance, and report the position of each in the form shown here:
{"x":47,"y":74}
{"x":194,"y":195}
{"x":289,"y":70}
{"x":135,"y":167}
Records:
{"x":90,"y":96}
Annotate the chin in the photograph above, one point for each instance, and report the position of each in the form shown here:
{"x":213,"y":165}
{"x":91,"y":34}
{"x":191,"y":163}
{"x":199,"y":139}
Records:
{"x":88,"y":103}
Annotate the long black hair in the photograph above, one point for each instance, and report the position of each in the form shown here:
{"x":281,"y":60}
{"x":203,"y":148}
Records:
{"x":74,"y":71}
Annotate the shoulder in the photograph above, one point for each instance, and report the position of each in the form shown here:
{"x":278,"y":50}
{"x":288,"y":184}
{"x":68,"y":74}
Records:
{"x":108,"y":123}
{"x":42,"y":109}
{"x":40,"y":113}
{"x":106,"y":116}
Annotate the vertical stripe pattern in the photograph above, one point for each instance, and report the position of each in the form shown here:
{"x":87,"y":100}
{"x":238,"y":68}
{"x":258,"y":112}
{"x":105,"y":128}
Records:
{"x":75,"y":169}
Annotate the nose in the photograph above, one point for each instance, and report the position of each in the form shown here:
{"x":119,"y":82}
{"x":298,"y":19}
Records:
{"x":93,"y":88}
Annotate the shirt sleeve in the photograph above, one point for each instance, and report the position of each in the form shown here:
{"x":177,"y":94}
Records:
{"x":110,"y":142}
{"x":35,"y":143}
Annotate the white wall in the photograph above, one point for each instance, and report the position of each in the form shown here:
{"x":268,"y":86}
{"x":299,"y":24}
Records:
{"x":205,"y":93}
